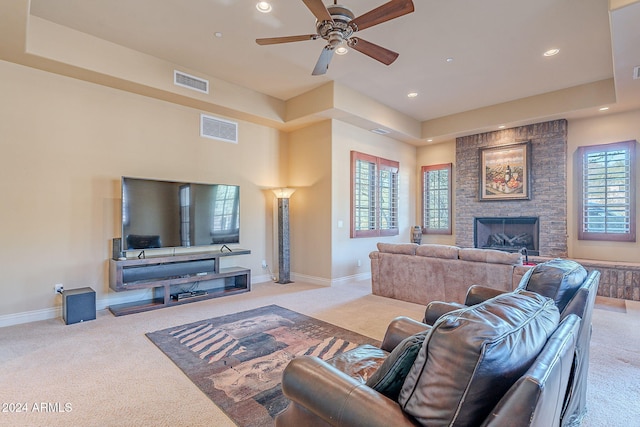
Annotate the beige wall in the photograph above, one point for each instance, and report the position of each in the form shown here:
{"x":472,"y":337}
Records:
{"x":66,"y":143}
{"x":603,"y":129}
{"x":346,"y":251}
{"x":436,"y":154}
{"x":310,"y":206}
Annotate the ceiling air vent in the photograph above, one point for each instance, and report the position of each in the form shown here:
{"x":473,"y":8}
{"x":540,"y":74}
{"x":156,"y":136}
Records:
{"x":636,"y":72}
{"x":190,"y":82}
{"x":380,"y":131}
{"x":215,"y":128}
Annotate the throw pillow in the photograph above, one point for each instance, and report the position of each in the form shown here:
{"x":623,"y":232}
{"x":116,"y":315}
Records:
{"x":389,"y":377}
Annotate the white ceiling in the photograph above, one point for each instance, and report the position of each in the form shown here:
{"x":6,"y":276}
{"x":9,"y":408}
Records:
{"x":496,"y":46}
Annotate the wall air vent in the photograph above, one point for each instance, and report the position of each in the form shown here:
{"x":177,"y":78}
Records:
{"x":636,"y":72}
{"x":381,"y":131}
{"x":190,"y":82}
{"x":215,"y":128}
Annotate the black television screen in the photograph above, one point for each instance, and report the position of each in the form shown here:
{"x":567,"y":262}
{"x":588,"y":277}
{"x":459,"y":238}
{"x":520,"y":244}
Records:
{"x":159,"y":214}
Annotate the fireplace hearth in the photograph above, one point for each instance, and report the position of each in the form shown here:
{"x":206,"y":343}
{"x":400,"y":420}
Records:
{"x":510,"y":234}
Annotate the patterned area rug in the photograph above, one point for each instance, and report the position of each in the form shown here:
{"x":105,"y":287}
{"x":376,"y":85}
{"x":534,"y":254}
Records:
{"x":237,"y":360}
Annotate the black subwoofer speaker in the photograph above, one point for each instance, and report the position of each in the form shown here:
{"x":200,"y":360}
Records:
{"x":78,"y":305}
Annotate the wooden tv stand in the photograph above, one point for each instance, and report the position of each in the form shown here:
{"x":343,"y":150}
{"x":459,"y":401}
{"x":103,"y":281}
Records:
{"x":175,"y":279}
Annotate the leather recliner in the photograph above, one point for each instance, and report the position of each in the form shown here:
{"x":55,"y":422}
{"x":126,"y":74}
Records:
{"x":502,"y":360}
{"x":574,"y":292}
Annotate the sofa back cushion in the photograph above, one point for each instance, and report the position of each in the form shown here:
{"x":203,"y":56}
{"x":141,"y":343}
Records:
{"x":438,"y":251}
{"x":473,"y":355}
{"x":490,"y":255}
{"x":558,"y":279}
{"x":398,"y":248}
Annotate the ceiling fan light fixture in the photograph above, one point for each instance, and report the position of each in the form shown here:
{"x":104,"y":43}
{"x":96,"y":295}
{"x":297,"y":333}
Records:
{"x":336,"y":24}
{"x":342,"y":50}
{"x":264,"y":6}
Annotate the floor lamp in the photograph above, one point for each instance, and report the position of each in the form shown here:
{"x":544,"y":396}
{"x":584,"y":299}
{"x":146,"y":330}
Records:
{"x":284,"y":258}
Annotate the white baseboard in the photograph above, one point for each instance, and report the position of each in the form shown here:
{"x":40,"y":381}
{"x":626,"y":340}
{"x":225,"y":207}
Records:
{"x":321,"y":281}
{"x":55,"y":312}
{"x":30,"y":316}
{"x":352,"y":278}
{"x":132,"y":296}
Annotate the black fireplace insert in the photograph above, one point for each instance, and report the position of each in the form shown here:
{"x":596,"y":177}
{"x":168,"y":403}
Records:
{"x":510,"y":234}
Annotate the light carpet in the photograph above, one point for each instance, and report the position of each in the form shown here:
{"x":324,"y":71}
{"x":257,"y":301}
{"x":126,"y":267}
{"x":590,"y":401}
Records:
{"x":112,"y":375}
{"x":237,"y":360}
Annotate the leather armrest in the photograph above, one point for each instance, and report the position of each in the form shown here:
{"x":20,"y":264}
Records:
{"x":399,"y":329}
{"x":337,"y":398}
{"x":435,"y":309}
{"x":477,"y":294}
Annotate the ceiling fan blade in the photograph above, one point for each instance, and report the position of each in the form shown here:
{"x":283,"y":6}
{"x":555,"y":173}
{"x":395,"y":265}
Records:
{"x":318,"y":9}
{"x":286,"y":39}
{"x":323,"y":62}
{"x":372,"y":50}
{"x":384,"y":13}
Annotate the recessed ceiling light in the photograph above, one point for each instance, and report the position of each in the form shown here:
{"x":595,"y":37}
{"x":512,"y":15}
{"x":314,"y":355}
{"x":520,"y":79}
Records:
{"x":429,"y":140}
{"x":264,"y":6}
{"x":449,"y":59}
{"x":342,"y":50}
{"x":412,"y":94}
{"x":552,"y":52}
{"x":218,"y":34}
{"x":501,"y":127}
{"x":604,"y":108}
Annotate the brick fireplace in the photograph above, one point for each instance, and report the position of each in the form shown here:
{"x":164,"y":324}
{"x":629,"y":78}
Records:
{"x":548,"y":185}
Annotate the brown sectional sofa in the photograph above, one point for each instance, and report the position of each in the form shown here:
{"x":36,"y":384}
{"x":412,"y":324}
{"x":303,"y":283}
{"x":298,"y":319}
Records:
{"x":428,"y":272}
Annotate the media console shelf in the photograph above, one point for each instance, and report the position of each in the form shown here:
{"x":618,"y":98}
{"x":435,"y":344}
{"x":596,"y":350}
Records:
{"x":177,"y":279}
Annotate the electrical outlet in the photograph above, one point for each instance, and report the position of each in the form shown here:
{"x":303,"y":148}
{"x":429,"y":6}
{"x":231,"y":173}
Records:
{"x":58,"y":288}
{"x":264,"y":263}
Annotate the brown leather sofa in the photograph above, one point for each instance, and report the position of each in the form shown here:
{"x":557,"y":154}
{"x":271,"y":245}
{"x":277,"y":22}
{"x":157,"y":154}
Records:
{"x":574,"y":292}
{"x":502,"y":361}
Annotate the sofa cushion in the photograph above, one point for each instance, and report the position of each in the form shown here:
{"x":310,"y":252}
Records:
{"x":490,"y":255}
{"x":389,"y":377}
{"x":558,"y":279}
{"x":398,"y":248}
{"x":438,"y":251}
{"x":359,"y":363}
{"x":473,"y":355}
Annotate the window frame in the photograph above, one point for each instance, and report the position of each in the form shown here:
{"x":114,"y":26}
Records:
{"x":582,"y":152}
{"x":425,"y":218}
{"x":381,"y":165}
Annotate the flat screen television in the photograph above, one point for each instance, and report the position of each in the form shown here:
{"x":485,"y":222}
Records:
{"x":161,"y":214}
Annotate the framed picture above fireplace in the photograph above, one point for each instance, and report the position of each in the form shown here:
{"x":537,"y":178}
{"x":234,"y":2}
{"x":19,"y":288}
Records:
{"x":505,"y":172}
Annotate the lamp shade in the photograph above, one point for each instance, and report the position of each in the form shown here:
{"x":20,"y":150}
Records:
{"x":283,"y":193}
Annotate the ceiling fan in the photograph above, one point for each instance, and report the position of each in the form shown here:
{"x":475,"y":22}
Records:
{"x":336,"y":24}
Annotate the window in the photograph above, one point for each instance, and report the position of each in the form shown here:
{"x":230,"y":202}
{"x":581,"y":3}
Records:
{"x":436,"y":199}
{"x":607,"y":192}
{"x":185,"y":216}
{"x":374,"y":189}
{"x":225,"y":207}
